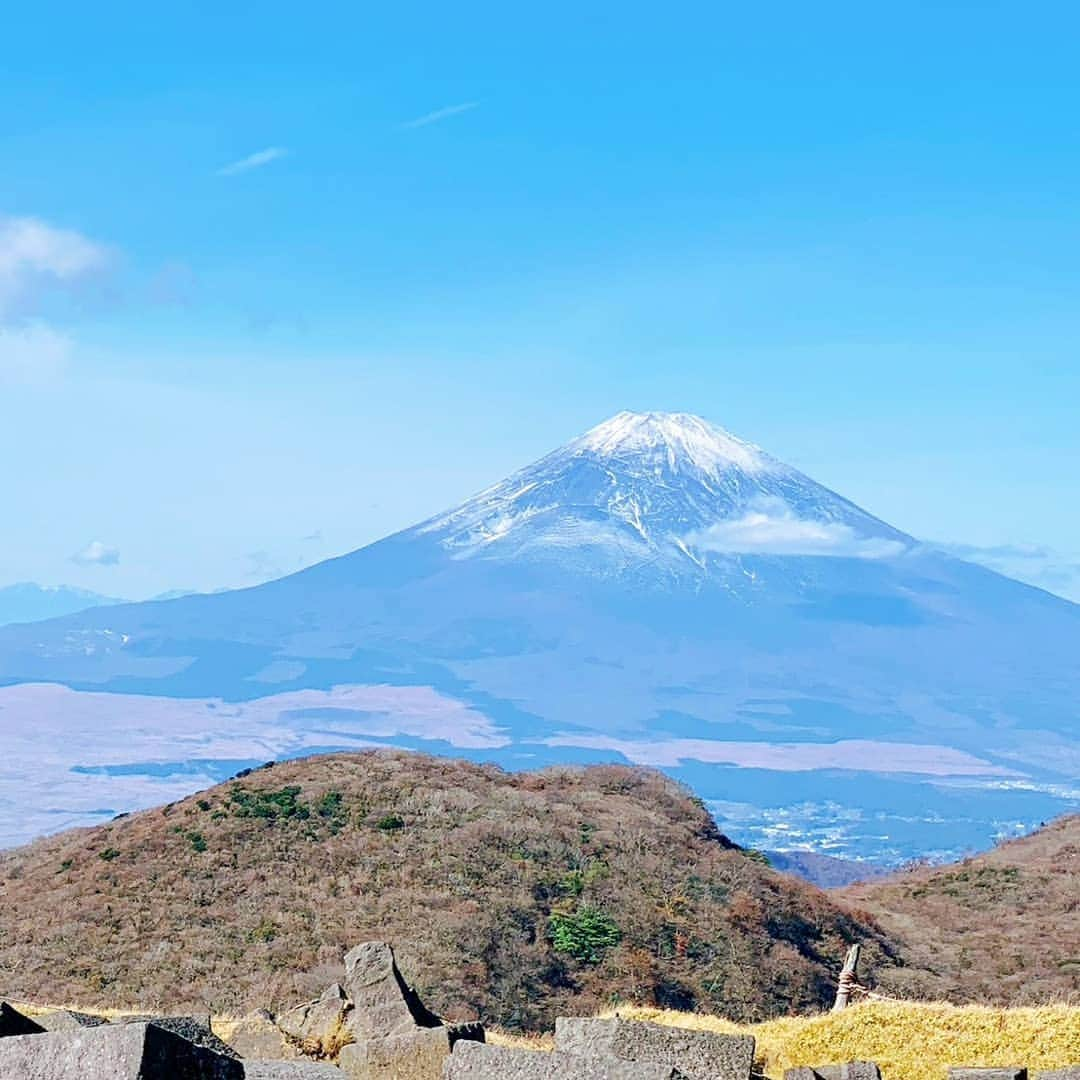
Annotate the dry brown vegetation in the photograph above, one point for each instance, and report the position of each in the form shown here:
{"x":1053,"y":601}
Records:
{"x":509,"y":897}
{"x":1002,"y":927}
{"x":909,"y":1040}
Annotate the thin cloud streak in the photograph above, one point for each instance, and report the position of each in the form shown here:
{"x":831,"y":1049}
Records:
{"x":254,"y":161}
{"x":440,"y":114}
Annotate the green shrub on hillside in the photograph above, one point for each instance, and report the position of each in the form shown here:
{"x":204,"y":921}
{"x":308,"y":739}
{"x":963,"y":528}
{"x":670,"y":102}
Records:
{"x":585,"y":934}
{"x":270,"y":805}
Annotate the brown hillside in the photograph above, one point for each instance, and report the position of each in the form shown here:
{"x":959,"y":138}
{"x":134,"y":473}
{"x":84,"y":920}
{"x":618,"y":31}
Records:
{"x":509,"y":897}
{"x":1003,"y":927}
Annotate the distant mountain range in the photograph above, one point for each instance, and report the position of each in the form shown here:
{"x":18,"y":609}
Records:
{"x":26,"y":602}
{"x":656,"y":591}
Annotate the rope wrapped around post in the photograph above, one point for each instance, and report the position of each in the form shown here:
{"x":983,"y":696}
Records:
{"x":847,"y":984}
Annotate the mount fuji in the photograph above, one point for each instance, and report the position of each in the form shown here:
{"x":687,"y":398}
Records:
{"x":656,"y":591}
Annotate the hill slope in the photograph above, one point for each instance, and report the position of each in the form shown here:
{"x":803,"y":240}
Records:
{"x":1003,"y":926}
{"x":824,"y":871}
{"x":508,"y":897}
{"x":656,"y":591}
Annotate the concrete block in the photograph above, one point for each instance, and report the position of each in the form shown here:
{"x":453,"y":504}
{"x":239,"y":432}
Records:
{"x":68,"y":1020}
{"x":12,"y":1022}
{"x":112,"y":1052}
{"x":851,"y":1070}
{"x":416,"y":1054}
{"x":382,"y":1002}
{"x":256,"y":1036}
{"x":291,"y":1070}
{"x":699,"y":1055}
{"x":478,"y":1061}
{"x":319,"y":1027}
{"x":1009,"y":1073}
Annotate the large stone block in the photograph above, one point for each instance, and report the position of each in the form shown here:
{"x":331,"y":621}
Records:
{"x":1009,"y":1073}
{"x":195,"y":1029}
{"x":851,"y":1070}
{"x":383,"y":1003}
{"x":699,"y":1055}
{"x":291,"y":1070}
{"x":12,"y":1022}
{"x":478,"y":1061}
{"x":113,"y":1052}
{"x":319,"y":1028}
{"x":69,"y":1020}
{"x":1070,"y":1072}
{"x":416,"y":1054}
{"x":257,"y":1036}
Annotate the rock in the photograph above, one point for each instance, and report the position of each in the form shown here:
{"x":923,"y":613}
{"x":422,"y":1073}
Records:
{"x":478,"y":1061}
{"x":291,"y":1070}
{"x":1070,"y":1072}
{"x":468,"y":1032}
{"x":852,"y":1070}
{"x":193,"y":1021}
{"x":133,"y":1051}
{"x":383,"y":1003}
{"x":699,"y":1055}
{"x":67,"y":1020}
{"x":988,"y":1074}
{"x":319,"y":1029}
{"x":12,"y":1022}
{"x":256,"y":1036}
{"x":195,"y":1029}
{"x":415,"y":1054}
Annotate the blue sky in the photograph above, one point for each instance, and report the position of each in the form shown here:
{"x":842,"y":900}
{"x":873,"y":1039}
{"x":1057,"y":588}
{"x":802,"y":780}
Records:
{"x":278,"y":281}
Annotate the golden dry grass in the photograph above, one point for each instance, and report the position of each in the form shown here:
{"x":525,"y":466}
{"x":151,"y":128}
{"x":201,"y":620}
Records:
{"x":908,"y":1040}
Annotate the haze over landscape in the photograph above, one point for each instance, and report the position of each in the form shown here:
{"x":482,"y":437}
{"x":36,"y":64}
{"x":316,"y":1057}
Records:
{"x":656,"y":592}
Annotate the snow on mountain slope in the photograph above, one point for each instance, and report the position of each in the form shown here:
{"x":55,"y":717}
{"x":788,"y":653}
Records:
{"x":666,"y":491}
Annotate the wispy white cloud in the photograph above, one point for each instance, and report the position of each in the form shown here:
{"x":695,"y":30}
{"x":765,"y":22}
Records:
{"x":441,"y":114}
{"x":770,"y":527}
{"x":97,"y":554}
{"x":33,"y":252}
{"x":253,"y":161}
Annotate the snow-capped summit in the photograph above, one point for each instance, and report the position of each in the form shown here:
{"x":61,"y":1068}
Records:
{"x":653,"y":492}
{"x":677,"y":438}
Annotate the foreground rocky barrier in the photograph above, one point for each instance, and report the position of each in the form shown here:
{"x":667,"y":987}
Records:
{"x":373,"y":1026}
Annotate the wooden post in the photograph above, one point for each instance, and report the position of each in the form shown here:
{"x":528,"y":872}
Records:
{"x":847,"y":979}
